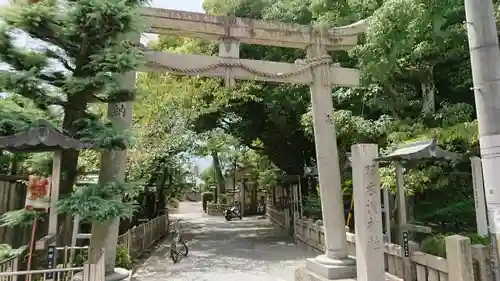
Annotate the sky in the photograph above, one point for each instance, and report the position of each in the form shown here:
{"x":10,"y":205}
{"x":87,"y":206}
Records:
{"x":184,"y":5}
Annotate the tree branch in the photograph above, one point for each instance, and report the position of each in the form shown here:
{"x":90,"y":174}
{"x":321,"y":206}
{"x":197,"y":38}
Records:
{"x":52,"y":54}
{"x":26,"y":85}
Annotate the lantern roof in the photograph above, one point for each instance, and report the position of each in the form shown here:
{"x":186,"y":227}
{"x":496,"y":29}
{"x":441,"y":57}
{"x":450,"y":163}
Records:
{"x":42,"y":137}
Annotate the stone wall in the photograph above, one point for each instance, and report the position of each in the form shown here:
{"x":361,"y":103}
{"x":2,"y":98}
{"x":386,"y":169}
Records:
{"x":463,"y":260}
{"x":12,"y":197}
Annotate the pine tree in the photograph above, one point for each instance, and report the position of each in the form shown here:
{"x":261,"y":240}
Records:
{"x":80,"y":54}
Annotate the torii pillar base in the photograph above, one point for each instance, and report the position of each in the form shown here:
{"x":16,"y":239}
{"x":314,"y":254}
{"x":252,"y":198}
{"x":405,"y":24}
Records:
{"x":315,"y":271}
{"x":119,"y":274}
{"x":323,"y":268}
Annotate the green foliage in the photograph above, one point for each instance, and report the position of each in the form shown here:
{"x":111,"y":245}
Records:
{"x":17,"y":115}
{"x":312,"y":207}
{"x":6,"y":251}
{"x":123,"y":259}
{"x":478,"y":239}
{"x":163,"y":140}
{"x":435,"y":245}
{"x":20,"y":217}
{"x":82,"y":50}
{"x":91,"y":54}
{"x":81,"y":257}
{"x":99,"y":203}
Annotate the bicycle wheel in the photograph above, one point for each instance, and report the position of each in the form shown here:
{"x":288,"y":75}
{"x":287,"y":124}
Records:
{"x":182,"y":248}
{"x":174,"y":255}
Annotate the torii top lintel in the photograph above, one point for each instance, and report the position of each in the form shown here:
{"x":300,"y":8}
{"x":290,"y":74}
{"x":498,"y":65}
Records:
{"x":250,"y":31}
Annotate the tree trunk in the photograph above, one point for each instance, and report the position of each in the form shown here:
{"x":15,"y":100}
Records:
{"x":253,"y":197}
{"x":162,"y":198}
{"x":69,"y":162}
{"x":221,"y":186}
{"x":14,"y":164}
{"x":428,"y":93}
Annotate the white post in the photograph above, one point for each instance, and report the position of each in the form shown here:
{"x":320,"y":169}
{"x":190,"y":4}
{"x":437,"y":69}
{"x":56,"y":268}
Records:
{"x":54,"y":197}
{"x":295,"y":192}
{"x":334,"y":264}
{"x":387,"y":215}
{"x":242,"y":197}
{"x":300,"y":199}
{"x":459,"y":258}
{"x":485,"y":58}
{"x":403,"y":220}
{"x":368,"y":213}
{"x":400,"y":191}
{"x":55,"y":180}
{"x":76,"y":230}
{"x":479,"y":200}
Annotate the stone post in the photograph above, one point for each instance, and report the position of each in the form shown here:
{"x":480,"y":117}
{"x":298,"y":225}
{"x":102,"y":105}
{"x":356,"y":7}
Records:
{"x":479,"y":199}
{"x":242,"y":198}
{"x":334,"y":264}
{"x":481,"y":255}
{"x":112,"y":168}
{"x":459,"y":258}
{"x":368,"y":213}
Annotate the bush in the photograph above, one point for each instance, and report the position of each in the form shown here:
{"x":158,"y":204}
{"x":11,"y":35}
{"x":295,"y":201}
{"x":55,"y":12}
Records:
{"x":6,"y":251}
{"x":478,"y":239}
{"x":80,"y":258}
{"x":312,"y":207}
{"x":435,"y":245}
{"x":123,"y":258}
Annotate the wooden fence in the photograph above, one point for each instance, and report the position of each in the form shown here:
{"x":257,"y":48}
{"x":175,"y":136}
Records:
{"x":137,"y":240}
{"x":12,"y":197}
{"x":463,"y":260}
{"x":141,"y":238}
{"x":214,"y":209}
{"x":279,"y":218}
{"x":88,"y":272}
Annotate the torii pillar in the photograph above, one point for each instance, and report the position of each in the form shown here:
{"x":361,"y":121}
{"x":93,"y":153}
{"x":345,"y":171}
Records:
{"x":334,"y":264}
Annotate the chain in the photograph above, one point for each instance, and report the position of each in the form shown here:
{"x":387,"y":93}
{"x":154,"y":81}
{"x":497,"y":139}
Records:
{"x":304,"y":65}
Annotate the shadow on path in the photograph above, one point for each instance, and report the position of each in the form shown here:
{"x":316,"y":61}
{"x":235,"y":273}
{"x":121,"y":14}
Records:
{"x":251,"y":249}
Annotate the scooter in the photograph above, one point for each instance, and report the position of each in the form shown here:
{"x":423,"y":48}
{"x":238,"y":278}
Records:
{"x":231,"y":213}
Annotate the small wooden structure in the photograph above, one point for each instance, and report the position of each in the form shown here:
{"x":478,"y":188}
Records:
{"x":44,"y":137}
{"x":419,"y":151}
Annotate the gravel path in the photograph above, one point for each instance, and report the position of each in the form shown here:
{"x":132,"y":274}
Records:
{"x":246,"y":250}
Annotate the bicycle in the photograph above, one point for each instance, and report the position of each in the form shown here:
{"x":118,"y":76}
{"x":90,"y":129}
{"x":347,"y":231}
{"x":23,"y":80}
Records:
{"x":178,"y":246}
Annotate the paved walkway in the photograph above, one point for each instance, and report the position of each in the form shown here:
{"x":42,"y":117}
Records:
{"x":246,"y":250}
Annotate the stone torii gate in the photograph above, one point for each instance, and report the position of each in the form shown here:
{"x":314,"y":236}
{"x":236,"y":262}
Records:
{"x":317,"y":70}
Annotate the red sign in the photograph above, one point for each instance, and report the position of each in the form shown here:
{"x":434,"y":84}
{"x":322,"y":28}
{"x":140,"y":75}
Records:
{"x":37,"y":197}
